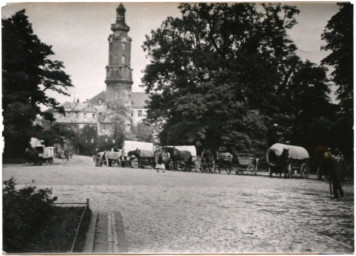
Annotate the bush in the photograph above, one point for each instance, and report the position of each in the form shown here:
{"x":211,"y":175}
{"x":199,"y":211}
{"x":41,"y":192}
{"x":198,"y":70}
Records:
{"x":24,"y":212}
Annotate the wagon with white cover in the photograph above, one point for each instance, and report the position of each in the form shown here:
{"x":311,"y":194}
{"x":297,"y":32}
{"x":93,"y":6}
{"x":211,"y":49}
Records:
{"x":298,"y":159}
{"x":137,"y":154}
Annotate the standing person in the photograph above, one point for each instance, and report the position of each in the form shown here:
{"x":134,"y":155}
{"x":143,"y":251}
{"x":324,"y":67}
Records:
{"x":159,"y":161}
{"x":331,"y":171}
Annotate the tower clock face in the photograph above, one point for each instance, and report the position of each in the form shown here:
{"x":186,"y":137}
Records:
{"x":124,"y":40}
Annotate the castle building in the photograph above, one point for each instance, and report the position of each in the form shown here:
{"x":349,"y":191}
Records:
{"x":93,"y":112}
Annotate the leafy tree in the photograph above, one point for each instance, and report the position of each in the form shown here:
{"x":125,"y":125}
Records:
{"x":85,"y":142}
{"x":55,"y":133}
{"x":27,"y":73}
{"x":215,"y":63}
{"x":116,"y":115}
{"x":313,"y":111}
{"x":25,"y":211}
{"x":338,"y":35}
{"x":143,"y":132}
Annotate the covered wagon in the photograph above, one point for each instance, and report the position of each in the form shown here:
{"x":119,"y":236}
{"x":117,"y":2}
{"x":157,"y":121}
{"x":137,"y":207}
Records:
{"x":137,"y":154}
{"x":180,"y":164}
{"x":295,"y":158}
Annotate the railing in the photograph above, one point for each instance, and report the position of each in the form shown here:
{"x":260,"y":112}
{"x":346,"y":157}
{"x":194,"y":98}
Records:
{"x":80,"y":221}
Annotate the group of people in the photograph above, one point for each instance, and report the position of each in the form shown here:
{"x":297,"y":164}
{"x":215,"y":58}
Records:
{"x":332,"y":164}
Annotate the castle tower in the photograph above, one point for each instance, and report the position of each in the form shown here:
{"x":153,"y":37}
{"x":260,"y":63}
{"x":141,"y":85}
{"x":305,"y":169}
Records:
{"x":118,"y":72}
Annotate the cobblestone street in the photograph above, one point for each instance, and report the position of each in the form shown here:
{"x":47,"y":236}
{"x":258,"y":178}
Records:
{"x":195,"y":212}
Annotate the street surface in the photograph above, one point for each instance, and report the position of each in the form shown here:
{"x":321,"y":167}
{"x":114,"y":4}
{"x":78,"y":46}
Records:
{"x":178,"y":212}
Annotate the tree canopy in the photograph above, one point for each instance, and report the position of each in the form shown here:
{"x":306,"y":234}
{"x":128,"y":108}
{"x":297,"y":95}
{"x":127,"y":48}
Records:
{"x":28,"y":73}
{"x":338,"y":35}
{"x":228,"y":75}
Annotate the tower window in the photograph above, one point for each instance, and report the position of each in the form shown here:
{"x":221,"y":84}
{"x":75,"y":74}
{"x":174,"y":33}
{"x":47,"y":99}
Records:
{"x":123,"y":59}
{"x":139,"y":113}
{"x":123,"y":46}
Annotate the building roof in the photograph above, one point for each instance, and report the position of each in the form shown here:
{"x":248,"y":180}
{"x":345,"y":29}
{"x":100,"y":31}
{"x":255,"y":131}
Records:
{"x":78,"y":107}
{"x":96,"y":98}
{"x":138,"y":99}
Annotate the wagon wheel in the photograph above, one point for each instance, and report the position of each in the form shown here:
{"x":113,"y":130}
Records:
{"x":171,"y":165}
{"x":251,"y":169}
{"x":134,"y":163}
{"x":304,"y":171}
{"x":180,"y":166}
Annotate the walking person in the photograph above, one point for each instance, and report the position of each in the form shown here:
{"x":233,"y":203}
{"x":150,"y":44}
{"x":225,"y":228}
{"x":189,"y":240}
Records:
{"x":332,"y":172}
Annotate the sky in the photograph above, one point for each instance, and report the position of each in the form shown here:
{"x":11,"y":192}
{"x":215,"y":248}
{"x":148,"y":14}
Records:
{"x":78,"y":33}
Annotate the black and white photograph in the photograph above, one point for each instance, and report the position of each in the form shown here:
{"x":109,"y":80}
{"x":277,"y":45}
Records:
{"x":177,"y":127}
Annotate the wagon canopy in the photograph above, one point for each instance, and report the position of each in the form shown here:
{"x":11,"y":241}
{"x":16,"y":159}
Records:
{"x":146,"y":153}
{"x":133,"y":145}
{"x":295,"y":152}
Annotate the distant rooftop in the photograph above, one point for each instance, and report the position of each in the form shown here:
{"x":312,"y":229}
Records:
{"x":138,"y":99}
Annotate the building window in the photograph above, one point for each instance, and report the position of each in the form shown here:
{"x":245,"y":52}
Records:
{"x":123,"y":59}
{"x":123,"y":46}
{"x":139,"y":113}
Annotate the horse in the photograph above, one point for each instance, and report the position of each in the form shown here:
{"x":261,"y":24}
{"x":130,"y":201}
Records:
{"x":281,"y":165}
{"x":207,"y":161}
{"x":180,"y":157}
{"x":223,"y":160}
{"x":99,"y":158}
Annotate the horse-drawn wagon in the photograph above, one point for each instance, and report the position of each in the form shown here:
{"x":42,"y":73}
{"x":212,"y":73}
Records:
{"x":223,"y":161}
{"x":38,"y":153}
{"x":246,"y":162}
{"x":137,"y":154}
{"x":180,"y":157}
{"x":288,"y":159}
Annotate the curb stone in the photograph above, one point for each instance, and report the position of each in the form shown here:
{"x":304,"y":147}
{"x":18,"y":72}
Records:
{"x":90,"y":236}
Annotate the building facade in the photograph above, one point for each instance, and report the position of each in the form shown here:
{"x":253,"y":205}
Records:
{"x":95,"y":111}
